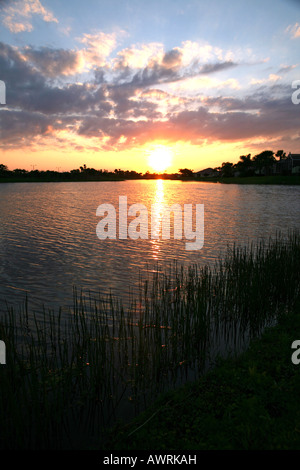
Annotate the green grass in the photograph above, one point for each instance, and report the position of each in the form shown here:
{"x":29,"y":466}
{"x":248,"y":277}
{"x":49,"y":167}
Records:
{"x":69,"y":376}
{"x":249,"y":402}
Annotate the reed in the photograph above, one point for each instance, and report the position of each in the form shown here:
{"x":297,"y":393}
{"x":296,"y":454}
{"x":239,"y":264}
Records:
{"x":71,"y":374}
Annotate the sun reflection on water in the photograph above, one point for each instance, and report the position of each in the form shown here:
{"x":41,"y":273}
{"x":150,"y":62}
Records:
{"x":156,"y":218}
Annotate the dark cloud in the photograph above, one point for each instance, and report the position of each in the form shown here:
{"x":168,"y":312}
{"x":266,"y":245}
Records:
{"x":75,"y":98}
{"x":168,"y":71}
{"x":127,"y":104}
{"x":17,"y":73}
{"x":122,"y":106}
{"x":154,"y":74}
{"x":274,"y":118}
{"x":172,"y":58}
{"x":136,"y":132}
{"x":28,"y":88}
{"x":99,"y":75}
{"x":243,"y":119}
{"x":286,"y":68}
{"x":19,"y":128}
{"x":216,"y":67}
{"x":53,"y":62}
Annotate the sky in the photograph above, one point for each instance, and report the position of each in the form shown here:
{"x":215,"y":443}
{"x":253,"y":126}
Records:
{"x":122,"y":84}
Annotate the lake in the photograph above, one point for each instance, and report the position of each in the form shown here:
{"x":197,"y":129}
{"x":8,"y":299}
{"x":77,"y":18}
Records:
{"x":110,"y":365}
{"x":48,"y":240}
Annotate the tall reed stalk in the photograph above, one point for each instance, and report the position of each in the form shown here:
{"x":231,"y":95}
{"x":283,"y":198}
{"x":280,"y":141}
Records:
{"x":69,"y":375}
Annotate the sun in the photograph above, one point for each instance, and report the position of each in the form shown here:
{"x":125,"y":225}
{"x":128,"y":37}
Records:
{"x":160,"y":158}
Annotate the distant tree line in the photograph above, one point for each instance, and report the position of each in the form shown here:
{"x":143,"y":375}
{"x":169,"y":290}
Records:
{"x":261,"y":163}
{"x":83,"y":173}
{"x":247,"y":166}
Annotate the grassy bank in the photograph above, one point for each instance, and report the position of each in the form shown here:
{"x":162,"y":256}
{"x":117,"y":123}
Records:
{"x":55,"y":180}
{"x":246,"y":403}
{"x":277,"y":179}
{"x":71,"y":375}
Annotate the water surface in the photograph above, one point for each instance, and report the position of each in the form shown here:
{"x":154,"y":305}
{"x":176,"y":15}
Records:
{"x":48,"y":241}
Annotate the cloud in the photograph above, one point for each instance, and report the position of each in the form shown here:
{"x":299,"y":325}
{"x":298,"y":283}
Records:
{"x":20,"y":128}
{"x":162,"y":97}
{"x":273,"y":77}
{"x":199,"y":84}
{"x":54,"y":62}
{"x":97,"y":48}
{"x":138,"y":56}
{"x":172,"y":59}
{"x":287,"y":68}
{"x":293,"y":31}
{"x":149,"y":64}
{"x":255,"y":117}
{"x":17,"y":73}
{"x":17,"y":15}
{"x":258,"y":115}
{"x":216,"y":67}
{"x":146,"y":65}
{"x":194,"y":52}
{"x":154,"y":74}
{"x":28,"y":87}
{"x":168,"y":70}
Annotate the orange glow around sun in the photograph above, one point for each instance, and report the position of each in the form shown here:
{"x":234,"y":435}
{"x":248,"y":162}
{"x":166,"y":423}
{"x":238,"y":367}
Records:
{"x":160,"y":158}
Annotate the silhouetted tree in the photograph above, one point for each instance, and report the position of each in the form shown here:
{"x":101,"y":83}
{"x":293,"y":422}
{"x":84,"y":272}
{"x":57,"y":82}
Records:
{"x":246,"y":159}
{"x":280,"y":154}
{"x":264,"y":160}
{"x":227,"y":169}
{"x":19,"y":172}
{"x":186,"y":173}
{"x":245,"y":165}
{"x":3,"y":170}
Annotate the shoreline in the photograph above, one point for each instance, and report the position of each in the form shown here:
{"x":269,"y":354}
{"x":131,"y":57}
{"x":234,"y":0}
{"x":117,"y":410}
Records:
{"x":152,"y":347}
{"x":246,"y":402}
{"x":273,"y":179}
{"x":269,"y":180}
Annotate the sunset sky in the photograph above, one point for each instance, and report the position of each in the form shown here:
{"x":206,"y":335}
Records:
{"x":112,"y":83}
